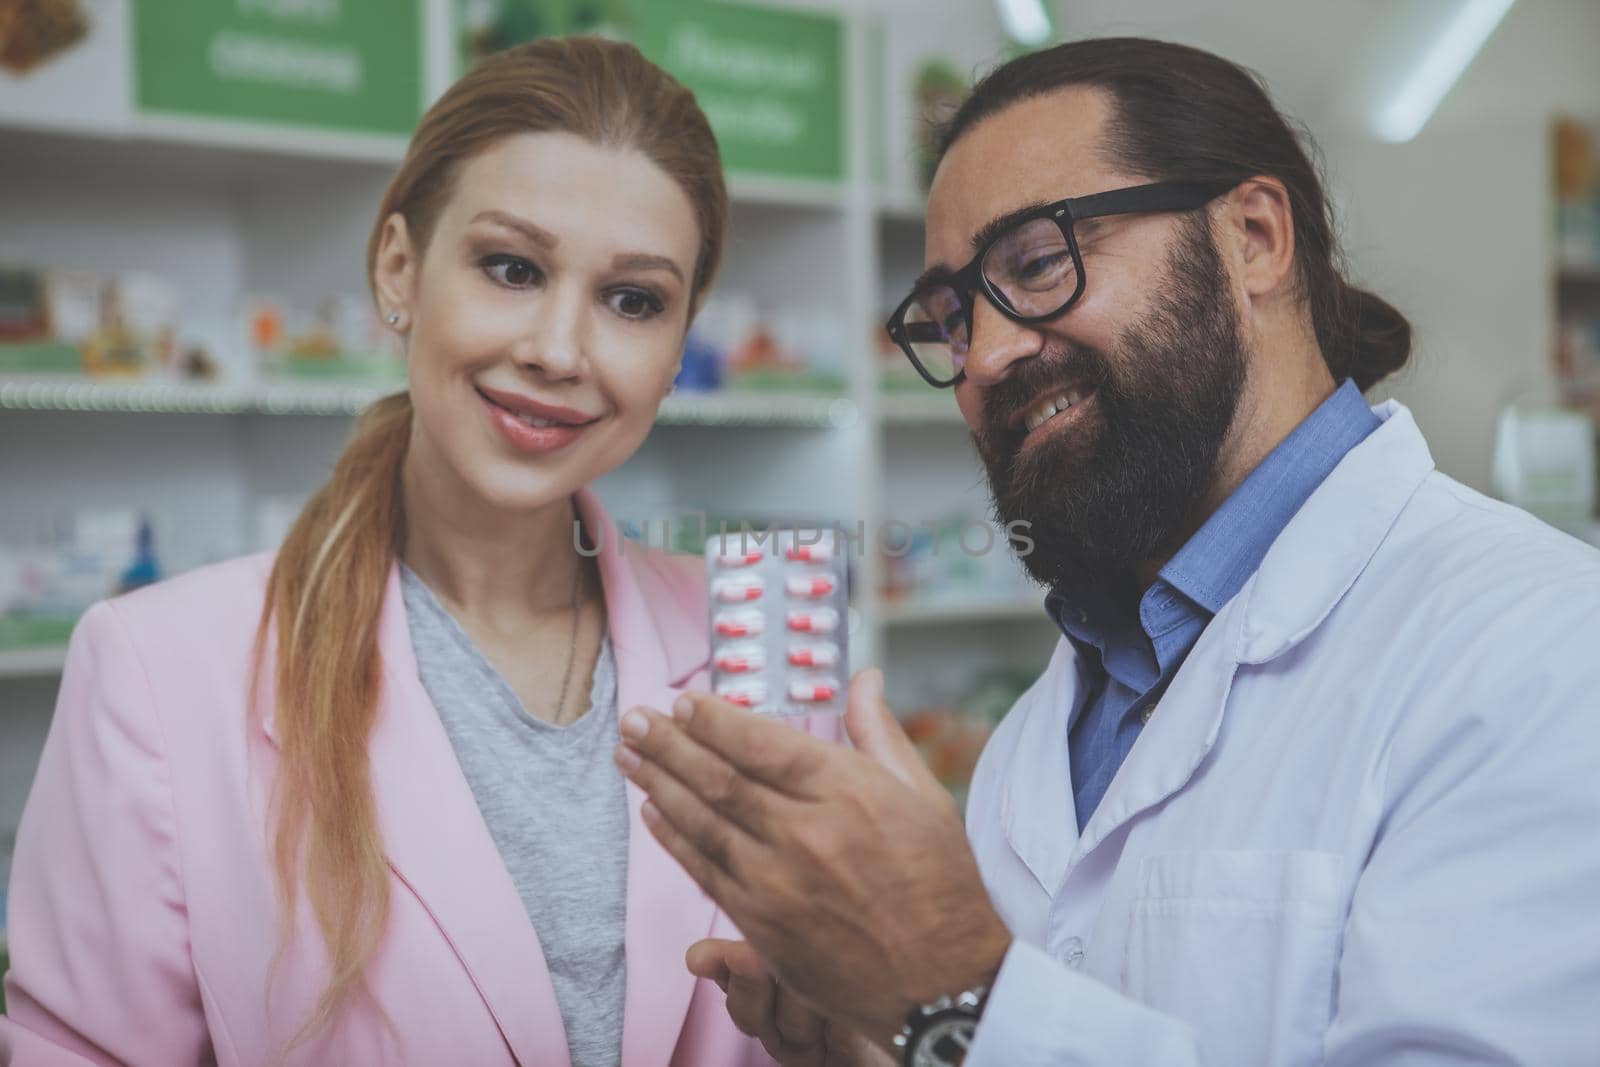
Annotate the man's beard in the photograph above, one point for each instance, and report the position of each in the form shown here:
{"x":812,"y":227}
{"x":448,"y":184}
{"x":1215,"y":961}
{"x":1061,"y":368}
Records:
{"x":1127,"y":483}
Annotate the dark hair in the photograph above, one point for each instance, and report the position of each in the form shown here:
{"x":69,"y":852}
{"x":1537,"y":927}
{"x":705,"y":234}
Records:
{"x":1183,"y":113}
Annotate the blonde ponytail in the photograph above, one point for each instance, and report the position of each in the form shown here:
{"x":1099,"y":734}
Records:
{"x":323,"y":602}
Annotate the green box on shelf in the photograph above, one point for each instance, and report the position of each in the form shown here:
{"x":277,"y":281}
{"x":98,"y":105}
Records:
{"x":342,"y":369}
{"x":319,"y":63}
{"x":770,"y":80}
{"x":40,"y":357}
{"x":35,"y":631}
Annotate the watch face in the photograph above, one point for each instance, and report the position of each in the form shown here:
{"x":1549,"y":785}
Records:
{"x":944,"y":1042}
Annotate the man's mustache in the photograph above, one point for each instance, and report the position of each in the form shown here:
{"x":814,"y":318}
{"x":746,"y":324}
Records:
{"x":1060,"y":364}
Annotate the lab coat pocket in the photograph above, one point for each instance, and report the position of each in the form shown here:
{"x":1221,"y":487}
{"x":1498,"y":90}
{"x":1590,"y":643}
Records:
{"x":1241,"y":944}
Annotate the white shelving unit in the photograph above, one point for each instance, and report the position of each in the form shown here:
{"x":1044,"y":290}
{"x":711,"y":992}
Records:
{"x":62,"y":393}
{"x":226,"y":211}
{"x":959,"y":610}
{"x":40,"y":662}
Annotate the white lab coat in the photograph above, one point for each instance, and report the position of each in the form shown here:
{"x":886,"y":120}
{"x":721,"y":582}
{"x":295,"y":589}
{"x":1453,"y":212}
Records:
{"x":1361,"y":828}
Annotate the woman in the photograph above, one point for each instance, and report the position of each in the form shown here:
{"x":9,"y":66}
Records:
{"x":395,"y":735}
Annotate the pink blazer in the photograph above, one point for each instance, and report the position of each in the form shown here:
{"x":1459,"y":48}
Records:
{"x":142,"y":908}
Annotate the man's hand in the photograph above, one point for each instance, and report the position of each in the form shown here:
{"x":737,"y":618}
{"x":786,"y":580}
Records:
{"x":849,"y":871}
{"x":788,"y":1028}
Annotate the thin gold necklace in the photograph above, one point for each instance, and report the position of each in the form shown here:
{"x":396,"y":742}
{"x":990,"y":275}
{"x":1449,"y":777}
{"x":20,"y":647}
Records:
{"x":572,"y":641}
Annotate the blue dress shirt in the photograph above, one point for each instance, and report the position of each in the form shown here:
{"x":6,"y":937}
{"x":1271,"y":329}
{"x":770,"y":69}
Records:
{"x":1130,"y":646}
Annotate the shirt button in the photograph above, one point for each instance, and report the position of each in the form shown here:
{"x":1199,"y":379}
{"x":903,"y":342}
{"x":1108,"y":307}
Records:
{"x":1072,"y":952}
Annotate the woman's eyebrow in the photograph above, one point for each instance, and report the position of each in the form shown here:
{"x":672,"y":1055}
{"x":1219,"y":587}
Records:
{"x":537,"y":234}
{"x":645,"y":261}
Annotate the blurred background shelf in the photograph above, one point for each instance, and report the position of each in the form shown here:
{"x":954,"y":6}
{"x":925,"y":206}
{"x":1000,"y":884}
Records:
{"x":258,"y":155}
{"x":751,"y":409}
{"x":947,"y":611}
{"x":69,"y":394}
{"x":926,"y":406}
{"x":40,"y":662}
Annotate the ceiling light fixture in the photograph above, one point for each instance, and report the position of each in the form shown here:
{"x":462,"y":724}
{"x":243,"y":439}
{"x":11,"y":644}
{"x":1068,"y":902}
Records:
{"x":1404,"y":115}
{"x":1026,"y":21}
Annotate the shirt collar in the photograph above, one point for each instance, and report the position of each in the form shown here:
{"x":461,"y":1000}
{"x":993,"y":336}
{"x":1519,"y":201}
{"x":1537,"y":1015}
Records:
{"x":1213,"y":565}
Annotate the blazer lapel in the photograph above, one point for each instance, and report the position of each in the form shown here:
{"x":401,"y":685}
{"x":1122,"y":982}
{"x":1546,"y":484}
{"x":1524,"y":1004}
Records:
{"x":658,"y":631}
{"x":440,"y":849}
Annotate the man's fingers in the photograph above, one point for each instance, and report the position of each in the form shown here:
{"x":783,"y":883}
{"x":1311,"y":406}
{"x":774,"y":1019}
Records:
{"x":708,"y":959}
{"x":798,"y":1026}
{"x":666,"y":752}
{"x":767,"y":750}
{"x":718,"y":959}
{"x":876,"y":733}
{"x":750,"y":1008}
{"x":712,"y":873}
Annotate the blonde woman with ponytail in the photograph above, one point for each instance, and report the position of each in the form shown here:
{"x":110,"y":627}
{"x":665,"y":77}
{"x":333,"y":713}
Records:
{"x":354,"y":802}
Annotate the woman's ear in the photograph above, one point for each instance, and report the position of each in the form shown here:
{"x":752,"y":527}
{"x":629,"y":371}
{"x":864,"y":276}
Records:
{"x":394,"y":272}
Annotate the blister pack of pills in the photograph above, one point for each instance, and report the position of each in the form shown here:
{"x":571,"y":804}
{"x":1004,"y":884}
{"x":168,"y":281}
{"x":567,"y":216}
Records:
{"x":779,"y":620}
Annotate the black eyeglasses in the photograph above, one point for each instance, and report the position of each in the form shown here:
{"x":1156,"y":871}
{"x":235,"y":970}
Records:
{"x":1031,"y":271}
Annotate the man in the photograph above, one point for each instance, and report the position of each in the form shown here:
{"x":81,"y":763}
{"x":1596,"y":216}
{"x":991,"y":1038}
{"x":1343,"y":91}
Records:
{"x":1311,"y":775}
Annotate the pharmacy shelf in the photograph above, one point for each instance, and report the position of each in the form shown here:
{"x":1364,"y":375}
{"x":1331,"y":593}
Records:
{"x":775,"y":409}
{"x":41,"y":662}
{"x":256,"y":154}
{"x":924,"y":407}
{"x":905,"y":207}
{"x":944,"y":611}
{"x":69,"y":393}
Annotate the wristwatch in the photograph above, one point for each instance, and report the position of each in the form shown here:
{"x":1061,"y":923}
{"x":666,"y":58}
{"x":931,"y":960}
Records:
{"x":939,"y":1034}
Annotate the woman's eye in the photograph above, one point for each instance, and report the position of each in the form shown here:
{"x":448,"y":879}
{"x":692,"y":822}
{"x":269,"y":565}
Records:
{"x":635,"y":303}
{"x":511,"y":271}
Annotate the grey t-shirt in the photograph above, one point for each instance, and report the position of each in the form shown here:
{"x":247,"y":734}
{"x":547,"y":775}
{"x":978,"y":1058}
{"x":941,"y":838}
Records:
{"x":556,"y":808}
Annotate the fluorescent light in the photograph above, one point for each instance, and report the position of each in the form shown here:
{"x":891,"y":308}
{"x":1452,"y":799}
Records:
{"x":1026,"y":21}
{"x":1403,"y":117}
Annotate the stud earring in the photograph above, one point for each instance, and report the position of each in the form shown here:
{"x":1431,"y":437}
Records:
{"x":393,"y":318}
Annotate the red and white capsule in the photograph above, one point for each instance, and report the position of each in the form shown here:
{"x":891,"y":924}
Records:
{"x":820,"y":585}
{"x":742,"y":658}
{"x":740,"y":622}
{"x":741,"y":559}
{"x":738,"y":590}
{"x":814,"y":621}
{"x":819,"y":692}
{"x":821,"y":552}
{"x":819,"y":654}
{"x":747,"y":694}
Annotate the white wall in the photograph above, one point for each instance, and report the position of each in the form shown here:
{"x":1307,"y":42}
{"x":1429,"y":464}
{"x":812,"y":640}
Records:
{"x":1453,"y":228}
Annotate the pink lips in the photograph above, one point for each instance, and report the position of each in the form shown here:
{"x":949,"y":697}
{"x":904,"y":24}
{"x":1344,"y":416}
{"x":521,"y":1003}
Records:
{"x":504,"y":410}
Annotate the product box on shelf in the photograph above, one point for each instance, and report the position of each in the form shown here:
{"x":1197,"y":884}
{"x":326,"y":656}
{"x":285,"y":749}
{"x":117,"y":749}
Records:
{"x":950,"y":736}
{"x":341,"y":339}
{"x":734,"y":344}
{"x":127,"y":325}
{"x":954,"y":558}
{"x":47,"y":582}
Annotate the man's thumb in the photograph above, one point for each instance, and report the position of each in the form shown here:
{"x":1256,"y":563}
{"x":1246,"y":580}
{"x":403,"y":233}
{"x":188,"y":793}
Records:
{"x":875,"y":731}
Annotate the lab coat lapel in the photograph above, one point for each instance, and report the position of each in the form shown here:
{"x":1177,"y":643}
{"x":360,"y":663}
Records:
{"x":1312,"y":564}
{"x":1167,"y":752}
{"x":1037,"y":808}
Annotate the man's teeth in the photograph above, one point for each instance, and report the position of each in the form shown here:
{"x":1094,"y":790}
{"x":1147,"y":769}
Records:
{"x":1041,"y":412}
